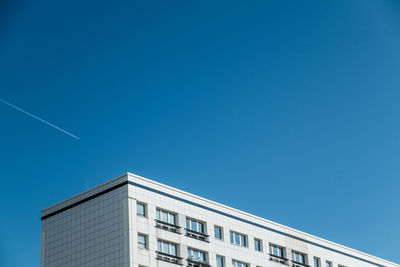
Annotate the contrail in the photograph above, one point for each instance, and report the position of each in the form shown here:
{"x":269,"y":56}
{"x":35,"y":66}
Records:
{"x":36,"y":117}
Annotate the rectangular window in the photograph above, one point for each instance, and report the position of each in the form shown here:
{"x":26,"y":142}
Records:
{"x":329,"y":264}
{"x":276,"y":251}
{"x":238,"y":239}
{"x":167,"y":248}
{"x":236,"y":263}
{"x":142,"y":241}
{"x":220,"y":261}
{"x":257,"y":244}
{"x":298,"y":257}
{"x":194,"y":225}
{"x":166,"y":216}
{"x":141,"y":209}
{"x":218,"y":232}
{"x":196,"y":255}
{"x":317,"y":262}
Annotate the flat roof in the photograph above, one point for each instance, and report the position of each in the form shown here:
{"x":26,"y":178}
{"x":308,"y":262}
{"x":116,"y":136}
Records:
{"x":125,"y":178}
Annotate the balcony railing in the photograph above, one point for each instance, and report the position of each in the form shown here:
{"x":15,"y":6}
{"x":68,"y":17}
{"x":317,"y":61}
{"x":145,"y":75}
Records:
{"x":299,"y":264}
{"x":168,"y":226}
{"x":169,"y":258}
{"x":197,"y":263}
{"x":196,"y":235}
{"x":278,"y":259}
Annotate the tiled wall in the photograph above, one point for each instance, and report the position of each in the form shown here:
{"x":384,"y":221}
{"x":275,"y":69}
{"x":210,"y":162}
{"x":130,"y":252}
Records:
{"x":103,"y":231}
{"x":154,"y":199}
{"x":89,"y":234}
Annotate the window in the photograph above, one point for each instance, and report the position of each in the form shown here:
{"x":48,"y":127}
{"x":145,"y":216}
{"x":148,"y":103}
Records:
{"x":238,"y":239}
{"x":257,"y":244}
{"x":166,"y":247}
{"x":166,"y":216}
{"x":220,"y":261}
{"x":218,"y":232}
{"x":329,"y":264}
{"x":196,"y":255}
{"x":194,"y":225}
{"x":298,"y":257}
{"x":141,"y":209}
{"x":142,"y":241}
{"x":276,"y":251}
{"x":236,"y":263}
{"x":317,"y":262}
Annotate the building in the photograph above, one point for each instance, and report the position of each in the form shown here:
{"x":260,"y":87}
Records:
{"x":136,"y":222}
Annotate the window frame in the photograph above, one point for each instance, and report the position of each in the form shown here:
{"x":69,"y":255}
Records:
{"x":144,"y":209}
{"x":278,"y":248}
{"x":237,"y":238}
{"x":237,"y":263}
{"x":260,"y":244}
{"x":317,"y":262}
{"x":146,"y":242}
{"x":221,"y":231}
{"x":222,"y":260}
{"x":191,"y":221}
{"x":301,"y":255}
{"x":160,"y":216}
{"x":170,"y":245}
{"x":200,"y":252}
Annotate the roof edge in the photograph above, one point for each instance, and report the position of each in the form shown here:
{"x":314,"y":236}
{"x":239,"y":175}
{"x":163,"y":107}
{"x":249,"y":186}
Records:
{"x":259,"y":218}
{"x":84,"y":192}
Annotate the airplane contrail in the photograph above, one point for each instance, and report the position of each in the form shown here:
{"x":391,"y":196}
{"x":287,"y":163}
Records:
{"x":36,"y":117}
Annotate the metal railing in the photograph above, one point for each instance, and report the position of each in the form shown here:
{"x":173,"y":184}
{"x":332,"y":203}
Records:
{"x":168,"y":226}
{"x":299,"y":264}
{"x":169,"y":258}
{"x":197,"y":263}
{"x":278,"y":259}
{"x":196,"y":235}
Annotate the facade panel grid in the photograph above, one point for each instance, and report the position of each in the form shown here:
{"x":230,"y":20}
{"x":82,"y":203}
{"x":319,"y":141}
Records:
{"x":108,"y":229}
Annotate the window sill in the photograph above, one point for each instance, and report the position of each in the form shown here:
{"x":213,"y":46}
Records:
{"x":239,"y":245}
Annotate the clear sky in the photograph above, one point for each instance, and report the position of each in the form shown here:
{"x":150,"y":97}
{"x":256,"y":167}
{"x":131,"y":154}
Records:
{"x":285,"y":109}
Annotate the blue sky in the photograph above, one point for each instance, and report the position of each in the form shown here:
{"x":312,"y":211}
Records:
{"x":285,"y":109}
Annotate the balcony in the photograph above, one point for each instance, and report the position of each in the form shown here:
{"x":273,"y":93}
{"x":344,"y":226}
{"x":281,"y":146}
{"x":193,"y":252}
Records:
{"x":196,"y":235}
{"x":278,"y":259}
{"x":299,"y":264}
{"x":168,"y":226}
{"x":197,"y":263}
{"x":169,"y":258}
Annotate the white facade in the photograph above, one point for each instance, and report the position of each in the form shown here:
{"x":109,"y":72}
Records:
{"x":101,"y":227}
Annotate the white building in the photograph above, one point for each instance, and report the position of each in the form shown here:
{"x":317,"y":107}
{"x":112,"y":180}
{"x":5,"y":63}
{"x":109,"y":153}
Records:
{"x":136,"y":222}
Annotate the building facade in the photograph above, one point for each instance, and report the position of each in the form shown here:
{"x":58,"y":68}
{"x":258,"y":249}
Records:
{"x":132,"y":221}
